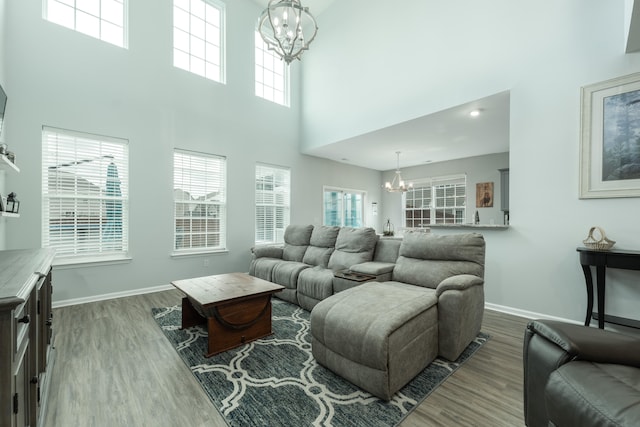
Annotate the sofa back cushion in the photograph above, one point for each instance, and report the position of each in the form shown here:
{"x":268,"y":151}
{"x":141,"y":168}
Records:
{"x":353,"y":246}
{"x":427,"y":259}
{"x":387,"y":250}
{"x":321,"y":246}
{"x":296,"y":241}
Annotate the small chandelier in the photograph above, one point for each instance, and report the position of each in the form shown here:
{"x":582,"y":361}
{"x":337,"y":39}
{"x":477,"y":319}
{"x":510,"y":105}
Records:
{"x":287,"y":28}
{"x":397,"y":185}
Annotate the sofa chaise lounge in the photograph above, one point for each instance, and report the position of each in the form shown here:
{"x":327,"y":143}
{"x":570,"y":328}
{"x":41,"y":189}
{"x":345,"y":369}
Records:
{"x":427,"y":299}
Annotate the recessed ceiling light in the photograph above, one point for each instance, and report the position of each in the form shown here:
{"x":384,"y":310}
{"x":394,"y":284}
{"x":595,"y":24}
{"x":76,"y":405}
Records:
{"x":474,"y":113}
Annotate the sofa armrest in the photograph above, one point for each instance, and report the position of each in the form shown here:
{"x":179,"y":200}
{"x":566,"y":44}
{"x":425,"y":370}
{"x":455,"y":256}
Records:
{"x":459,"y":282}
{"x":591,"y":344}
{"x":267,"y":252}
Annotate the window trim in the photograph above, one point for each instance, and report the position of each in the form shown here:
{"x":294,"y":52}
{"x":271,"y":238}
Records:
{"x":125,"y":22}
{"x":344,"y":191}
{"x":224,"y":217}
{"x":123,"y":170}
{"x":434,"y":182}
{"x":222,"y":8}
{"x":287,"y":206}
{"x":286,"y":83}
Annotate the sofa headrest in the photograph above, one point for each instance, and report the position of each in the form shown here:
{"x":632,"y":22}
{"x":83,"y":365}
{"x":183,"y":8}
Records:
{"x":299,"y":235}
{"x":296,"y":241}
{"x":353,"y":246}
{"x":427,"y":259}
{"x":324,"y":236}
{"x":452,"y":247}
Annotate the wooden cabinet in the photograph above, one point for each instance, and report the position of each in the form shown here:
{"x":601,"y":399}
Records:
{"x":26,"y":335}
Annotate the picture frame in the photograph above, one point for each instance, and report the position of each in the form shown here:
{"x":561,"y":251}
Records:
{"x":484,"y":195}
{"x":610,"y":138}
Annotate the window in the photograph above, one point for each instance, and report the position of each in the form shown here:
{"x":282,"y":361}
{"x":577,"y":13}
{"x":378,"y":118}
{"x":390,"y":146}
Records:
{"x":273,"y":190}
{"x":272,"y":74}
{"x":439,"y":200}
{"x":85,"y":206}
{"x":198,"y":37}
{"x":343,"y":207}
{"x":102,"y":19}
{"x":200,"y":202}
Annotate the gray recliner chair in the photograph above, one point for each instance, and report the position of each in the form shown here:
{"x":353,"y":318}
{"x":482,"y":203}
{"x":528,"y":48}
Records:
{"x":580,"y":376}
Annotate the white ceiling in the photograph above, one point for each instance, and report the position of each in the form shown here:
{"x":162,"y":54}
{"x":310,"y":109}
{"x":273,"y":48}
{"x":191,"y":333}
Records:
{"x":445,"y":135}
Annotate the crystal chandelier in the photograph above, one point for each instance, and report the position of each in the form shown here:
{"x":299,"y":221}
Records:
{"x":287,"y":28}
{"x":397,"y":185}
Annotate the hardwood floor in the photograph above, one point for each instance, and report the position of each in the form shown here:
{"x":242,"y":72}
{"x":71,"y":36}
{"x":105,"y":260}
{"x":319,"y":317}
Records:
{"x":114,"y":367}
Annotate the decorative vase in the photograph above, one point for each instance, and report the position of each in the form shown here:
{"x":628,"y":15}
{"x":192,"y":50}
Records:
{"x":388,"y":228}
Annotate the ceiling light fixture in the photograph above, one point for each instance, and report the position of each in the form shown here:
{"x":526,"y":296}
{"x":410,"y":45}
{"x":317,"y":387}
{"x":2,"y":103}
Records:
{"x":287,"y":28}
{"x":397,"y":185}
{"x":475,"y":113}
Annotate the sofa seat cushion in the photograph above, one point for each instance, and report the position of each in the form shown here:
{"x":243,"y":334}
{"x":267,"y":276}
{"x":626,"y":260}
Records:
{"x":262,"y":268}
{"x":286,"y":273}
{"x":314,"y":285}
{"x":353,"y":246}
{"x":378,"y":335}
{"x":594,"y":394}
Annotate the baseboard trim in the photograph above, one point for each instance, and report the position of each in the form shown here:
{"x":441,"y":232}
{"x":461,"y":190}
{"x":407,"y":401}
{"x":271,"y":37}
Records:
{"x":526,"y":314}
{"x":104,"y":297}
{"x":496,"y":307}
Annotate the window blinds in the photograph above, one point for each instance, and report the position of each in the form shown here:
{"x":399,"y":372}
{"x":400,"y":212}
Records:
{"x":85,"y":187}
{"x":273,"y":199}
{"x":200,"y":202}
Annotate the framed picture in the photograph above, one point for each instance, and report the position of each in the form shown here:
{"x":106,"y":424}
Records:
{"x":610,"y":139}
{"x":484,"y":195}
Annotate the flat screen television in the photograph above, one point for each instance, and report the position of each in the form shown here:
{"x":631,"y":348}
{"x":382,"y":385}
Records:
{"x":3,"y":103}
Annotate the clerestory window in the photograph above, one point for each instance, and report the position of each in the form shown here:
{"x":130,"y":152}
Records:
{"x":103,"y":19}
{"x":199,"y":37}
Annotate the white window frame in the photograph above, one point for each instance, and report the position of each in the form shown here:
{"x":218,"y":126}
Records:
{"x":199,"y":41}
{"x":272,"y":195}
{"x":197,"y":210}
{"x":271,"y":74}
{"x":438,"y":206}
{"x":85,"y":196}
{"x":98,"y":19}
{"x":343,"y":221}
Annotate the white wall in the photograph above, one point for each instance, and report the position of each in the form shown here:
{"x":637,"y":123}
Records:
{"x":374,"y":64}
{"x":61,"y":78}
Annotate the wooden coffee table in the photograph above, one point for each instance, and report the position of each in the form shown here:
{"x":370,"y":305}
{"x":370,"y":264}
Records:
{"x":235,"y":306}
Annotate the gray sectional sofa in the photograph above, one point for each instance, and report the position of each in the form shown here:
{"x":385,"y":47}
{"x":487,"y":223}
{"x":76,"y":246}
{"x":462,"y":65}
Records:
{"x":425,"y":298}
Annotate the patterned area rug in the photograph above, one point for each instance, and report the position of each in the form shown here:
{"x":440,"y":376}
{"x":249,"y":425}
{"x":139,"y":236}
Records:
{"x":275,"y":381}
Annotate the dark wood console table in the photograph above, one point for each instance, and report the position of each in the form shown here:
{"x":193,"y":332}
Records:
{"x":623,"y":259}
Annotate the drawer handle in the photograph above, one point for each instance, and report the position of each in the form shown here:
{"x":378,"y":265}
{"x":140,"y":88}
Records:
{"x":24,"y":319}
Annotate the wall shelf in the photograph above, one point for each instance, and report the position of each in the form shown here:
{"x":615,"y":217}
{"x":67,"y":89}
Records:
{"x":6,"y":164}
{"x":10,"y":214}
